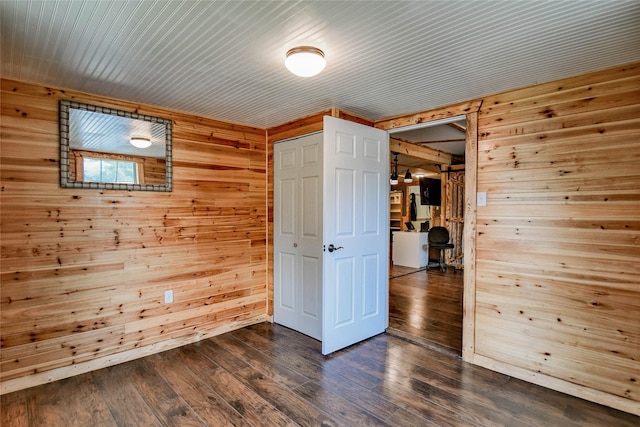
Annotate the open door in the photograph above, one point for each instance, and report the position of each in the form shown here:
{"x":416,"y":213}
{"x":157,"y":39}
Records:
{"x":356,"y":233}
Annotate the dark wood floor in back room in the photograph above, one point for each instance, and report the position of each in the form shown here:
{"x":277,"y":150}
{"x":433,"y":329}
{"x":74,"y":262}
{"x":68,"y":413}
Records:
{"x":426,"y":307}
{"x":268,"y":375}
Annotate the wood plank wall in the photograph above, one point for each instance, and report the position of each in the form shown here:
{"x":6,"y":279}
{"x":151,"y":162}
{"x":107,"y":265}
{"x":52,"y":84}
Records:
{"x":84,"y":271}
{"x":552,"y":263}
{"x":558,"y":244}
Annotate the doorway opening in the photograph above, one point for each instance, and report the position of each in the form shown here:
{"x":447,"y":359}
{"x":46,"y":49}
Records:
{"x":425,"y":305}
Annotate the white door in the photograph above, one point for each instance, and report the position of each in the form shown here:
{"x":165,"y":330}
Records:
{"x":356,"y":224}
{"x":298,"y":234}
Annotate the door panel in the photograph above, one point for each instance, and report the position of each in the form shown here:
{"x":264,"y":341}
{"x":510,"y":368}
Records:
{"x":345,"y":198}
{"x":344,"y":281}
{"x":285,"y":258}
{"x":288,"y":207}
{"x":356,"y":192}
{"x":287,"y":271}
{"x":298,"y":234}
{"x":311,"y":283}
{"x":371,"y":203}
{"x":370,"y":292}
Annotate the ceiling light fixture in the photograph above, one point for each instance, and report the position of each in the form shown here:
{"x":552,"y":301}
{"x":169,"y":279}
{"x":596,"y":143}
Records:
{"x":394,"y":174}
{"x":407,"y":177}
{"x":140,"y":142}
{"x":305,"y":61}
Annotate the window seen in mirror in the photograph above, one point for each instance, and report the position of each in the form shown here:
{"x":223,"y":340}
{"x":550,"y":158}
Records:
{"x":106,"y":170}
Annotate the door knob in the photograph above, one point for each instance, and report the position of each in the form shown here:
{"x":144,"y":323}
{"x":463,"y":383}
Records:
{"x":295,"y":245}
{"x":333,"y":248}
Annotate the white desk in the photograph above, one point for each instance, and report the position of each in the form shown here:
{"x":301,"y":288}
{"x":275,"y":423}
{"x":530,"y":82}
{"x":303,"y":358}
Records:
{"x":409,"y":249}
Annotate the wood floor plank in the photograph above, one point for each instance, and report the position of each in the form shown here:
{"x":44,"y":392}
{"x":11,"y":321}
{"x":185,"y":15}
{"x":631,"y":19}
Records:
{"x":221,"y":356}
{"x":316,"y":367}
{"x":412,"y":402}
{"x":168,"y":405}
{"x":284,"y":355}
{"x":245,"y":401}
{"x":427,"y":307}
{"x":293,"y":342}
{"x":363,"y":397}
{"x":254,"y":340}
{"x":70,"y":402}
{"x":13,"y":409}
{"x":368,"y":356}
{"x":344,"y":410}
{"x":444,"y":364}
{"x":121,"y":396}
{"x":294,"y":406}
{"x":208,"y":405}
{"x":273,"y":369}
{"x":402,"y":372}
{"x":466,"y":406}
{"x":402,"y":417}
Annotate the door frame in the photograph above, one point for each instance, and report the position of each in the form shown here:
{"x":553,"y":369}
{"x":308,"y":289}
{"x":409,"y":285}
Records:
{"x":313,"y":123}
{"x":469,"y":234}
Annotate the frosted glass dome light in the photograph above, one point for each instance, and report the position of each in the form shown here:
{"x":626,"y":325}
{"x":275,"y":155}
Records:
{"x":305,"y":61}
{"x":139,"y":142}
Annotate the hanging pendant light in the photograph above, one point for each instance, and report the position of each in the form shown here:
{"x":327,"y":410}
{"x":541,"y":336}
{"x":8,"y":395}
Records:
{"x":394,"y":174}
{"x":407,"y":177}
{"x":305,"y":61}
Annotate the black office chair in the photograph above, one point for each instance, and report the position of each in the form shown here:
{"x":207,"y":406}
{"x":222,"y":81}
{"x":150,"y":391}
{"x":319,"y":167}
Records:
{"x":439,"y":240}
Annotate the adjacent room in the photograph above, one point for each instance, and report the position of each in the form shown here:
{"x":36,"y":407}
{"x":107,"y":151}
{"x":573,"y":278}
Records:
{"x":425,"y":297}
{"x":434,"y":221}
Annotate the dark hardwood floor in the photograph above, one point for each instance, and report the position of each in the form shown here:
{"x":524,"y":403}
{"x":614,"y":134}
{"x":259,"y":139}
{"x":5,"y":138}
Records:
{"x":426,"y":307}
{"x":268,"y":375}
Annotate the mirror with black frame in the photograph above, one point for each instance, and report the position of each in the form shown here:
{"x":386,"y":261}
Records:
{"x":105,"y":148}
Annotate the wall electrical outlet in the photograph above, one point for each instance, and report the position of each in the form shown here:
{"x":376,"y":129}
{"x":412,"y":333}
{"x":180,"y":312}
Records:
{"x":168,"y":297}
{"x":482,"y":198}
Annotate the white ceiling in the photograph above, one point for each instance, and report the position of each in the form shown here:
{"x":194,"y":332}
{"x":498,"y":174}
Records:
{"x":105,"y":133}
{"x":224,"y":59}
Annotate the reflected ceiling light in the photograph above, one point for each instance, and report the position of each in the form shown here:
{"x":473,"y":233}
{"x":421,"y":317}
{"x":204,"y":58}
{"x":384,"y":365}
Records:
{"x":305,"y":61}
{"x":394,"y":174}
{"x":407,"y":177}
{"x":140,"y":142}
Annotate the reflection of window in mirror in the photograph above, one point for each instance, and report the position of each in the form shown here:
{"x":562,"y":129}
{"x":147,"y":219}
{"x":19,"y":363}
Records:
{"x":106,"y":170}
{"x":145,"y":170}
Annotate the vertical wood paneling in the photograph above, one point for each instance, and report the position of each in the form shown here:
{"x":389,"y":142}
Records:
{"x":84,"y":271}
{"x":558,"y":247}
